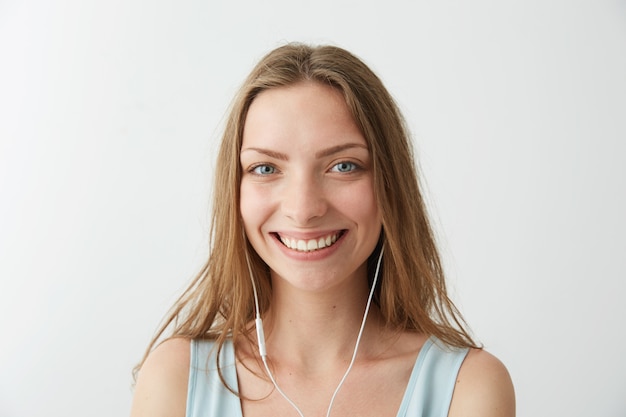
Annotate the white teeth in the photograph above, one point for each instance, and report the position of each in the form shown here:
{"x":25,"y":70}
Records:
{"x":309,"y":245}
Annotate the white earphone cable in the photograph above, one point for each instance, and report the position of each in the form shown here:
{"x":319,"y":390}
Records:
{"x":261,"y":337}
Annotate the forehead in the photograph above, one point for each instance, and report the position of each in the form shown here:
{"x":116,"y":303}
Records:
{"x":305,"y":112}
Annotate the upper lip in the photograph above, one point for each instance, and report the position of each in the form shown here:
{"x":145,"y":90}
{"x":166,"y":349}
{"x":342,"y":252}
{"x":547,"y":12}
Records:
{"x":308,"y":235}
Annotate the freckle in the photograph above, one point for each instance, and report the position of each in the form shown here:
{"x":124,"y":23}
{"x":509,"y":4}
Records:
{"x":334,"y":306}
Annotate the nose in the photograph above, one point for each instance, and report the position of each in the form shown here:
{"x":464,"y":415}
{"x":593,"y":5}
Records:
{"x":304,"y":200}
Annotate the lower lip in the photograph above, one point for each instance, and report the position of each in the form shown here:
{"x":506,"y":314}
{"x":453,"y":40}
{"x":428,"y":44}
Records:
{"x":315,"y":255}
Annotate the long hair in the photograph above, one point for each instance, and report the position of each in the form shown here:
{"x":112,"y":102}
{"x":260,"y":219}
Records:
{"x":411,"y":295}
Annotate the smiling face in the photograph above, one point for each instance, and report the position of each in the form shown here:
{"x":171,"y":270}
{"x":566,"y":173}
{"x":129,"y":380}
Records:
{"x":307,"y":193}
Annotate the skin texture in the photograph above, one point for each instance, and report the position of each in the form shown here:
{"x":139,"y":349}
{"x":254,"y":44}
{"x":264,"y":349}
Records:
{"x":161,"y":388}
{"x":307,"y":174}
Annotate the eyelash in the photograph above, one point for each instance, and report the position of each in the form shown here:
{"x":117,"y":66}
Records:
{"x":253,"y":169}
{"x":354,"y":167}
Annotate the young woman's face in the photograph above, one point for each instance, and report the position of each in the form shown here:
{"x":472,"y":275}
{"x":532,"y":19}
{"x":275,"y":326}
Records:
{"x":307,"y":192}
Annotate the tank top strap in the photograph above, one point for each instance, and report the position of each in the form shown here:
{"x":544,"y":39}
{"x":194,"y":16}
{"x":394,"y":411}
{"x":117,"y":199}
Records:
{"x":432,"y":382}
{"x":206,"y":394}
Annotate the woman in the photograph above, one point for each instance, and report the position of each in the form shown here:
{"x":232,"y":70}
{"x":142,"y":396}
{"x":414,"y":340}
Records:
{"x":320,"y":240}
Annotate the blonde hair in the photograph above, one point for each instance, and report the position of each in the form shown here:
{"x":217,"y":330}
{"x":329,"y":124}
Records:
{"x":412,"y":294}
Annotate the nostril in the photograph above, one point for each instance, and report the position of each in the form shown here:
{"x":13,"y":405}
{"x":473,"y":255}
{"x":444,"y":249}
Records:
{"x":304,"y":205}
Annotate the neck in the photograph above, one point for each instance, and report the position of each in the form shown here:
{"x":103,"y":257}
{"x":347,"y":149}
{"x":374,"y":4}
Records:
{"x":313,"y":330}
{"x":310,"y":327}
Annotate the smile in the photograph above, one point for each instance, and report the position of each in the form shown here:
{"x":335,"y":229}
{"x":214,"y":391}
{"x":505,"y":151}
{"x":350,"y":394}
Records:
{"x":310,"y":245}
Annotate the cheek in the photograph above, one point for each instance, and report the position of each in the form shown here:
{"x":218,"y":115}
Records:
{"x":360,"y":203}
{"x":253,"y":207}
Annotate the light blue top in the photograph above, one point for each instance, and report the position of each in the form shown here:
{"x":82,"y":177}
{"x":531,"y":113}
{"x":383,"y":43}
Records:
{"x":428,"y":393}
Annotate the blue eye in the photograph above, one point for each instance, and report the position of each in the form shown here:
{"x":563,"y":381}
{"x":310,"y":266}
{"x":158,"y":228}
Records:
{"x":344,"y":167}
{"x":263,"y":170}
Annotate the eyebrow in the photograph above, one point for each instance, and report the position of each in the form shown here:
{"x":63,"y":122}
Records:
{"x":272,"y":154}
{"x":336,"y":149}
{"x":321,"y":154}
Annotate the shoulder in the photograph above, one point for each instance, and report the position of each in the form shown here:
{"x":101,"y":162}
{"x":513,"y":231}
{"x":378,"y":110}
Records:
{"x":161,"y":388}
{"x":483,"y":388}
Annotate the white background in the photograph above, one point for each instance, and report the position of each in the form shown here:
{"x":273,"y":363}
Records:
{"x":110,"y":113}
